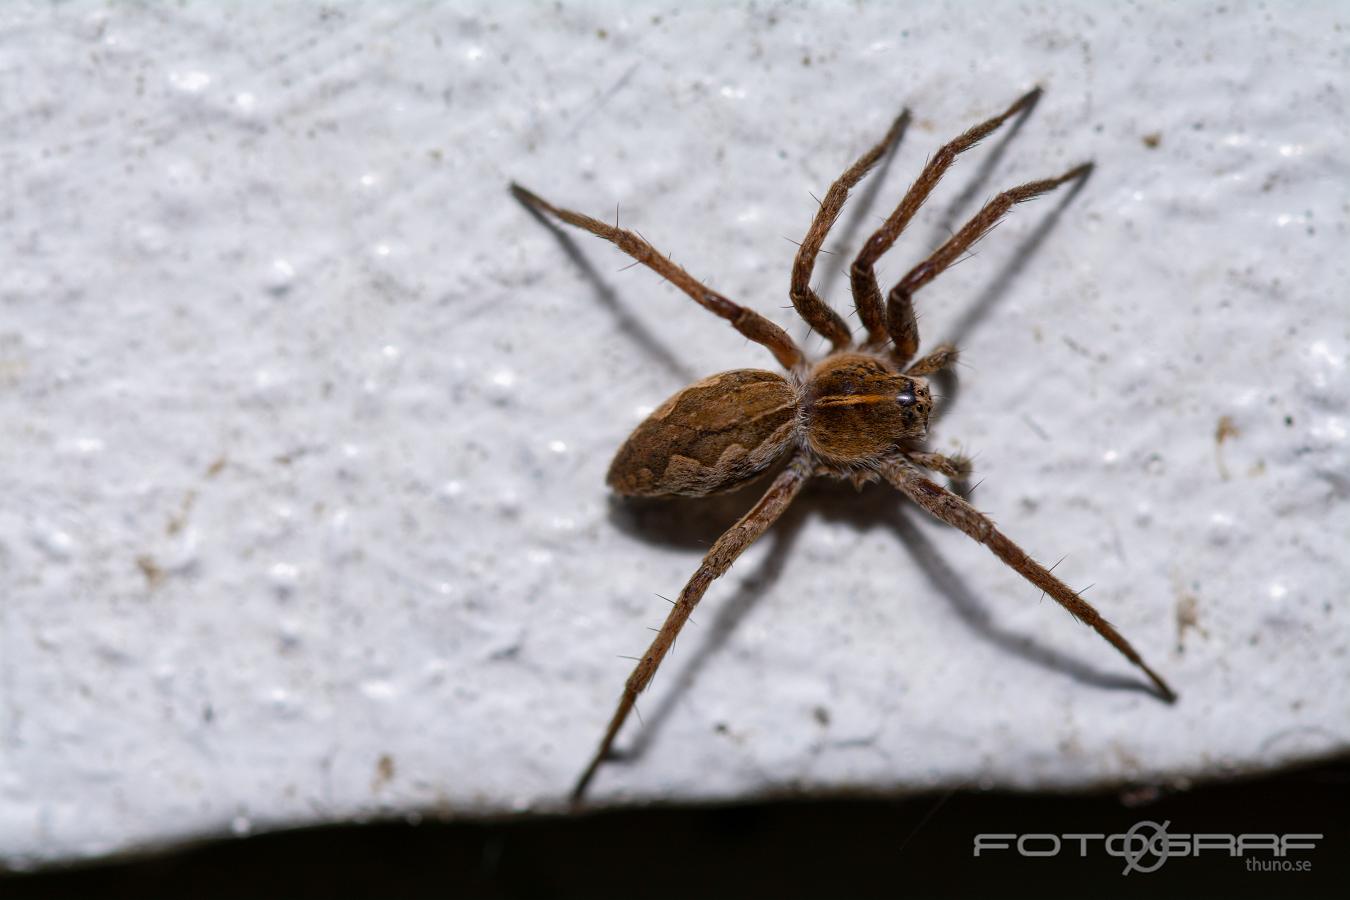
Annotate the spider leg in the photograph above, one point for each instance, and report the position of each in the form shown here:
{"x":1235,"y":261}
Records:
{"x":951,"y":509}
{"x":723,"y":553}
{"x":951,"y":466}
{"x":941,"y":357}
{"x":808,"y":304}
{"x":866,"y":293}
{"x":746,"y":321}
{"x":900,"y":304}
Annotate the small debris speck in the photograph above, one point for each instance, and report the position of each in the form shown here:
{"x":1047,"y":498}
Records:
{"x":384,"y":771}
{"x":1226,"y":429}
{"x":150,"y":569}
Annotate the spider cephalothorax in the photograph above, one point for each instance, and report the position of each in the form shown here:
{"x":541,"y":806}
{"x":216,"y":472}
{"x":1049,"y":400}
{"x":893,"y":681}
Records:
{"x":857,"y":409}
{"x":860,"y":413}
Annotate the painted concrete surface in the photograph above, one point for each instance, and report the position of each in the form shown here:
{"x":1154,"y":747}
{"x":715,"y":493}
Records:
{"x":305,"y":420}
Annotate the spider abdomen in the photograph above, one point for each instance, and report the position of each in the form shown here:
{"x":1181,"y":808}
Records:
{"x":712,"y":436}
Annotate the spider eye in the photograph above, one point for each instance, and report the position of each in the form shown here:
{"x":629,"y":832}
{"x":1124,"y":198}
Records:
{"x":905,"y":398}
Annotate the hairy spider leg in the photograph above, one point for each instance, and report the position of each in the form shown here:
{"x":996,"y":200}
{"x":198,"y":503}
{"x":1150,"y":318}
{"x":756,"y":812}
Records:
{"x":723,"y":553}
{"x":809,"y":306}
{"x":900,"y":302}
{"x":748,"y":322}
{"x":862,"y":273}
{"x":941,"y":357}
{"x":951,"y":466}
{"x":943,"y":504}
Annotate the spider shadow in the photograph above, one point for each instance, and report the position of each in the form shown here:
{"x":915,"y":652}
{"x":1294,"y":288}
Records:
{"x":609,"y":298}
{"x":875,"y":506}
{"x":720,"y":628}
{"x":1016,"y":264}
{"x":947,"y":383}
{"x":976,"y":615}
{"x":687,"y":522}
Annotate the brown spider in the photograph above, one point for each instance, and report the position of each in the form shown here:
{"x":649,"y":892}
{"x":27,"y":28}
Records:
{"x":860,"y":414}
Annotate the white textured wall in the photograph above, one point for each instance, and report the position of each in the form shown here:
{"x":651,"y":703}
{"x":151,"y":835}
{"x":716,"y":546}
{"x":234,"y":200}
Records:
{"x":305,"y":421}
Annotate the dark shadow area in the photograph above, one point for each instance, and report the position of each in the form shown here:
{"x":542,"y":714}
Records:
{"x":879,"y":505}
{"x":946,"y":385}
{"x":1003,"y":280}
{"x":628,"y":324}
{"x":710,"y":638}
{"x":919,"y":846}
{"x":599,"y":103}
{"x":687,"y":522}
{"x":976,"y":615}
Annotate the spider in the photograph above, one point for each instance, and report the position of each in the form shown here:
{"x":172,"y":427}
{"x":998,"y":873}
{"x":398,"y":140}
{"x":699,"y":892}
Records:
{"x":859,"y":414}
